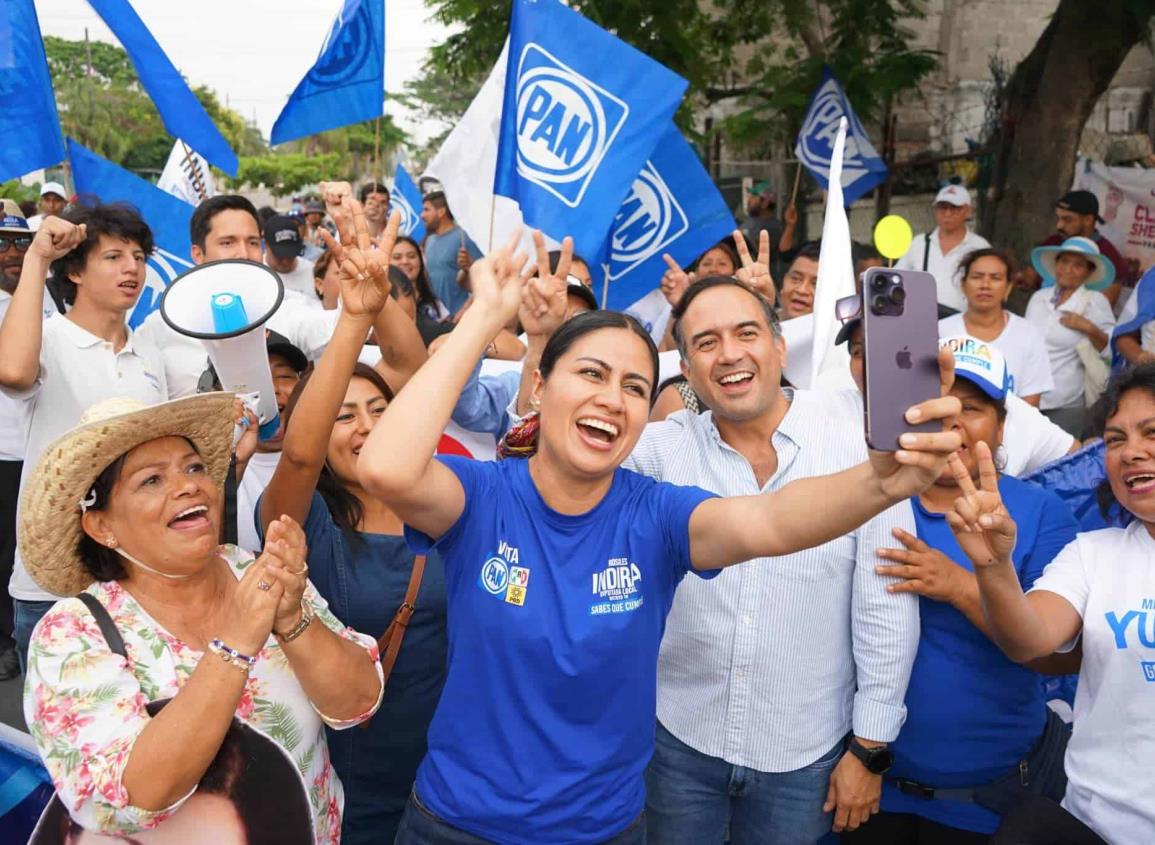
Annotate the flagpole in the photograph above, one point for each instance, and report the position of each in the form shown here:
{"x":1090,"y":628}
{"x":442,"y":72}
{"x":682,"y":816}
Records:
{"x":797,"y":179}
{"x":377,"y":175}
{"x":492,"y":214}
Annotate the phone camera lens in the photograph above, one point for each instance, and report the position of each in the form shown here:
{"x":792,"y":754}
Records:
{"x":879,"y":304}
{"x":898,"y":296}
{"x":878,"y":283}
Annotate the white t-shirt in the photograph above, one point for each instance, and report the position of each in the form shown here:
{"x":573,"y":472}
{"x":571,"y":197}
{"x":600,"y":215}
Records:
{"x":1022,"y":345}
{"x":300,"y":278}
{"x":1108,"y":576}
{"x":1030,"y":440}
{"x":1066,"y":366}
{"x":78,"y":370}
{"x":257,"y":476}
{"x":14,"y":413}
{"x":944,"y":268}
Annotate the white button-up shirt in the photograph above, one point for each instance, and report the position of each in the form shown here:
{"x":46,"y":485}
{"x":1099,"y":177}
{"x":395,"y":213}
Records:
{"x":944,"y":267}
{"x":1067,"y":367}
{"x":78,"y":370}
{"x":768,"y":665}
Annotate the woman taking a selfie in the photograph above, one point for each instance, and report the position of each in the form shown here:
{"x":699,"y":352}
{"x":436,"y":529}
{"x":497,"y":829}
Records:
{"x":561,"y":568}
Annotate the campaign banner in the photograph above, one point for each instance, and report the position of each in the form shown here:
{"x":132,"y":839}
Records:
{"x":1126,"y":204}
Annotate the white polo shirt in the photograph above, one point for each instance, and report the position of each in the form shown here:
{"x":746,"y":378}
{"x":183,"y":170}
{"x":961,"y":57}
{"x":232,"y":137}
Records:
{"x":300,"y":279}
{"x":14,"y":412}
{"x":78,"y":370}
{"x":944,"y":268}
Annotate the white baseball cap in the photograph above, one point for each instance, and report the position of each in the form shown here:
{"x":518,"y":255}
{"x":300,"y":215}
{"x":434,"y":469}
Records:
{"x":54,"y":188}
{"x":955,"y":195}
{"x":980,"y":363}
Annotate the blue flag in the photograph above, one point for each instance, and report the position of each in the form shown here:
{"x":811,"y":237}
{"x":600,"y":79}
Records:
{"x":582,"y":112}
{"x":406,"y":197}
{"x":1076,"y":479}
{"x":347,"y":82}
{"x":167,"y":216}
{"x":672,"y":207}
{"x":1143,"y":299}
{"x":29,"y":127}
{"x":862,"y":166}
{"x":180,"y":110}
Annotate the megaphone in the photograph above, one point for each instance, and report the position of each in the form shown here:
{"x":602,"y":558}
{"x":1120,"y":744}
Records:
{"x":225,"y":305}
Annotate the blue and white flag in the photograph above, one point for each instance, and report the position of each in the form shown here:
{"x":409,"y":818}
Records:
{"x":673,"y":207}
{"x":862,"y":166}
{"x":406,"y":198}
{"x":582,"y":111}
{"x":347,"y":82}
{"x":167,"y":216}
{"x":180,"y":110}
{"x":29,"y":126}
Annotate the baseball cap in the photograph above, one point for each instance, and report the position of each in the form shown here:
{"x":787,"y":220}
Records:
{"x":282,"y":236}
{"x":980,"y":363}
{"x":11,"y":220}
{"x":277,"y":344}
{"x":574,"y":287}
{"x":1080,"y":202}
{"x":955,"y":195}
{"x":314,"y":208}
{"x":54,"y":188}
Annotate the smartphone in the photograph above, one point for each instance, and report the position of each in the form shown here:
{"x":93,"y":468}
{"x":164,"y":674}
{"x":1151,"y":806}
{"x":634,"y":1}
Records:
{"x":900,"y":351}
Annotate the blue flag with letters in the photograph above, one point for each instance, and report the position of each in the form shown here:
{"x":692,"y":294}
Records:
{"x":167,"y":216}
{"x":406,"y":198}
{"x":180,"y":110}
{"x":582,"y":112}
{"x":862,"y":166}
{"x":29,"y":126}
{"x":672,"y":207}
{"x":347,"y":82}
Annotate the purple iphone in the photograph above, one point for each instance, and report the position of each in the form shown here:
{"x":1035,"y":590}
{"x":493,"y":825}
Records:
{"x":900,"y":329}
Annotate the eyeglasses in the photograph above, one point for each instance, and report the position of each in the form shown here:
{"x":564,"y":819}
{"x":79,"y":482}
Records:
{"x":20,"y":244}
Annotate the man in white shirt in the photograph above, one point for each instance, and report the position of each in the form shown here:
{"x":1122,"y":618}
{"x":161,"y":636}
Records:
{"x":941,"y":251}
{"x":283,"y":247}
{"x":63,"y":365}
{"x":53,"y":198}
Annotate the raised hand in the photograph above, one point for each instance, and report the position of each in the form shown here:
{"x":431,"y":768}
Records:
{"x":980,"y":522}
{"x":543,"y":297}
{"x":288,"y":552}
{"x":246,"y":620}
{"x":756,"y":272}
{"x":496,"y":282}
{"x":790,"y":215}
{"x":675,"y":281}
{"x":364,"y":272}
{"x":56,"y":237}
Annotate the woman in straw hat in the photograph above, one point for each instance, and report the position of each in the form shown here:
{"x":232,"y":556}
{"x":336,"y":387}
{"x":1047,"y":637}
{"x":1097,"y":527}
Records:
{"x":127,"y":509}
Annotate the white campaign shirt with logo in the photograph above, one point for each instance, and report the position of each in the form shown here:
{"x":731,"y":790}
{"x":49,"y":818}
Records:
{"x":1030,"y":440}
{"x":14,"y":413}
{"x":78,"y":370}
{"x":944,"y":268}
{"x":1108,"y":576}
{"x":1062,"y":343}
{"x":300,"y":278}
{"x":1023,"y":347}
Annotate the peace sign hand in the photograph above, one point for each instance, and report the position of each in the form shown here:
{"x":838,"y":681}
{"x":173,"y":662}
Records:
{"x":496,"y":282}
{"x":756,"y":272}
{"x":543,"y":296}
{"x":983,"y":528}
{"x":675,"y":281}
{"x":364,"y":272}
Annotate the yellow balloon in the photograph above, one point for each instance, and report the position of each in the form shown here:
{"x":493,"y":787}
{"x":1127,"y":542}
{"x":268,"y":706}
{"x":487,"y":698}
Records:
{"x":892,"y":236}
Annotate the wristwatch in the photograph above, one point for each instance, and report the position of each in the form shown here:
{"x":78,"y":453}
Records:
{"x":877,"y":760}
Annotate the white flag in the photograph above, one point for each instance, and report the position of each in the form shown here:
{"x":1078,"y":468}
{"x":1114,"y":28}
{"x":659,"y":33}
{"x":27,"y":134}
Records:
{"x":186,"y":175}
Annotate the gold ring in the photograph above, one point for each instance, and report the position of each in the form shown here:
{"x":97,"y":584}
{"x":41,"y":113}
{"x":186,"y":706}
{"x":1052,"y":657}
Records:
{"x":300,"y":571}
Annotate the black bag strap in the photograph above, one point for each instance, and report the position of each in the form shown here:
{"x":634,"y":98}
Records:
{"x":104,"y":622}
{"x":926,"y":252}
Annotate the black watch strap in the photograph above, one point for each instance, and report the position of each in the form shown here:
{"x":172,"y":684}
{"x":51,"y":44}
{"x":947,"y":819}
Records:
{"x":876,"y":760}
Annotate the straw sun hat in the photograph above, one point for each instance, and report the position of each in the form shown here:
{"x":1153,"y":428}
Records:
{"x":50,"y":529}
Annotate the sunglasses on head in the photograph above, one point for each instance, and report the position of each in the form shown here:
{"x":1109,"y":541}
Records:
{"x":848,"y":308}
{"x":21,"y":243}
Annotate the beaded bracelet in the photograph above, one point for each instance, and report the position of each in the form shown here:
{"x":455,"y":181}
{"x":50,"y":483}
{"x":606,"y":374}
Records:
{"x":232,"y":657}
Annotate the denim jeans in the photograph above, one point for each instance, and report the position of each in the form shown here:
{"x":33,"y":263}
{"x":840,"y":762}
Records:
{"x":695,"y":799}
{"x":419,"y":826}
{"x":28,"y":613}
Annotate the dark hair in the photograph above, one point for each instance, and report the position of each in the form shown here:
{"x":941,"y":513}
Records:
{"x":987,"y":252}
{"x":701,"y":286}
{"x":1141,"y":377}
{"x":587,"y":322}
{"x":117,"y":220}
{"x":344,"y":507}
{"x":437,"y":200}
{"x":425,"y":296}
{"x":264,"y":214}
{"x":726,"y":247}
{"x":555,"y":260}
{"x":810,"y":249}
{"x":321,"y":266}
{"x":1000,"y":405}
{"x":371,"y":188}
{"x":399,"y":284}
{"x":201,"y":222}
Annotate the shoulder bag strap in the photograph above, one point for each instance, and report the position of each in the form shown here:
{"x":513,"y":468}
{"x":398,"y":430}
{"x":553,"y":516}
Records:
{"x":105,"y":623}
{"x":389,"y":644}
{"x":926,"y":252}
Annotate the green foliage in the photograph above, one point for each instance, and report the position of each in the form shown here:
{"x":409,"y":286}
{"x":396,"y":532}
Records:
{"x":287,"y":173}
{"x":16,"y":190}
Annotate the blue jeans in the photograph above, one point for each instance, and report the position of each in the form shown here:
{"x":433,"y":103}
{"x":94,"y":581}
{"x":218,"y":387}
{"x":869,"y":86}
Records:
{"x":28,"y":613}
{"x":419,"y":826}
{"x":695,"y":799}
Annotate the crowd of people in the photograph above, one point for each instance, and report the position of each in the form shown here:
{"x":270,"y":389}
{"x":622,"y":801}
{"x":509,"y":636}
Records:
{"x":862,"y":650}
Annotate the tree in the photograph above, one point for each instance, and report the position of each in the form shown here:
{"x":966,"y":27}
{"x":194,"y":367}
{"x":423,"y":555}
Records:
{"x":286,"y":173}
{"x":1047,"y":103}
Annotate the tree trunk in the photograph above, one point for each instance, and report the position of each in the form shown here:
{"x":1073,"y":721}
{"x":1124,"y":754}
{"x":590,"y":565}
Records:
{"x":1049,"y":99}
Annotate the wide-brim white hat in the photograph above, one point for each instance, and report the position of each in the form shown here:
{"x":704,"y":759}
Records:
{"x":1043,"y":259}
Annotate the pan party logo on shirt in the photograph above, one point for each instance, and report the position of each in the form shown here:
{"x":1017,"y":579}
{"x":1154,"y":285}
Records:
{"x":502,"y":578}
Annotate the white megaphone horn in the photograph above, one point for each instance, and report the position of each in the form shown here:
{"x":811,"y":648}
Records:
{"x":225,"y":305}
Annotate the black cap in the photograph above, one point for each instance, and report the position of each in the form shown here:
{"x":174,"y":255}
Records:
{"x":849,"y":326}
{"x":278,"y":344}
{"x":576,"y":288}
{"x":282,"y":236}
{"x":1080,"y":202}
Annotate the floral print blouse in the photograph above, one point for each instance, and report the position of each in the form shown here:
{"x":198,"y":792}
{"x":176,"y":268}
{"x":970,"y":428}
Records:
{"x":85,"y":705}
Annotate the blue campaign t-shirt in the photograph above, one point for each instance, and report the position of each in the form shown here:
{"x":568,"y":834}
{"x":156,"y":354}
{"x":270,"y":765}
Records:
{"x":973,"y":714}
{"x":441,"y":265}
{"x":546,"y":721}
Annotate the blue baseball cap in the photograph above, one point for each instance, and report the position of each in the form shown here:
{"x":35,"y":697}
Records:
{"x":980,"y":363}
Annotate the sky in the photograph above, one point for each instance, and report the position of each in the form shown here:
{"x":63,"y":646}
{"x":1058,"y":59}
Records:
{"x":254,"y":52}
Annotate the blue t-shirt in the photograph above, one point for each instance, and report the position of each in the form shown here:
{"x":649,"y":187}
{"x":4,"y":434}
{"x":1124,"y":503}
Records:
{"x":441,"y":264}
{"x":973,"y":714}
{"x":364,"y":578}
{"x":547,"y":719}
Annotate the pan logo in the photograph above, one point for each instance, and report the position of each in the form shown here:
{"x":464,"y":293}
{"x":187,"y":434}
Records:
{"x":649,"y":220}
{"x":565,"y":125}
{"x":410,"y":219}
{"x":352,"y":53}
